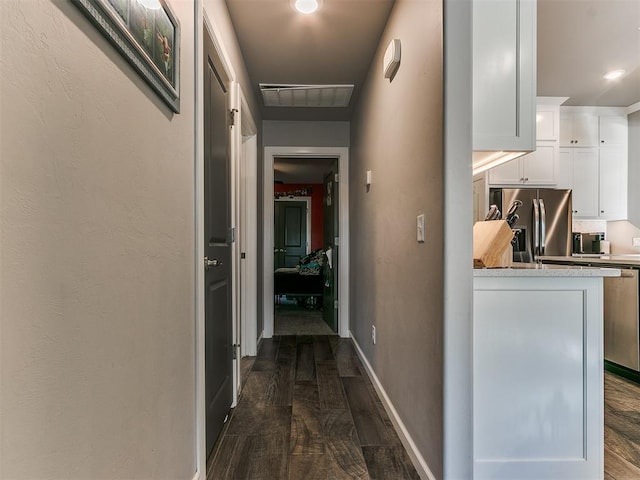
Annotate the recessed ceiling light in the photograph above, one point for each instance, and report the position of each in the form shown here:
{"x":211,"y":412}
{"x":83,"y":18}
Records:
{"x":306,"y":6}
{"x":612,"y":75}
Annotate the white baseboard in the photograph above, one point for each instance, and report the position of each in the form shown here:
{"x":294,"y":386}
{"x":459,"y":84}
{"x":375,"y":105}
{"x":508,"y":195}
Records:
{"x":418,"y":460}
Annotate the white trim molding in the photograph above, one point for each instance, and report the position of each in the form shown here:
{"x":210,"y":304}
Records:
{"x":418,"y":460}
{"x":342,"y":154}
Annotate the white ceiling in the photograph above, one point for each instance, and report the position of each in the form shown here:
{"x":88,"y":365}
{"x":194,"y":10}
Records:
{"x":578,"y":42}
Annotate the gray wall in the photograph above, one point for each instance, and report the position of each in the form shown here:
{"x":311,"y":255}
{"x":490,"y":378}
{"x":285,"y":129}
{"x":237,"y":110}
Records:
{"x":397,"y":283}
{"x":97,"y":252}
{"x":305,"y":134}
{"x":96,"y":284}
{"x":634,"y":168}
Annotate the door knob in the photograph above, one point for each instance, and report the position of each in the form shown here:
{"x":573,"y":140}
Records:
{"x":211,"y":263}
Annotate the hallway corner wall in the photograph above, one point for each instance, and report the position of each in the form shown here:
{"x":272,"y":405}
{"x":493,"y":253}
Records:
{"x":97,"y":338}
{"x":397,"y":284}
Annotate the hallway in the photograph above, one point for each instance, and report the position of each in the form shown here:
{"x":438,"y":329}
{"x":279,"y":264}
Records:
{"x":308,"y":411}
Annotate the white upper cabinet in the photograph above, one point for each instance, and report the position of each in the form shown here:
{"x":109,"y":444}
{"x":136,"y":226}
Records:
{"x":504,"y":75}
{"x":540,"y":167}
{"x":547,"y":128}
{"x":595,"y":165}
{"x":533,"y":169}
{"x":613,"y":130}
{"x":578,"y":129}
{"x":613,"y":183}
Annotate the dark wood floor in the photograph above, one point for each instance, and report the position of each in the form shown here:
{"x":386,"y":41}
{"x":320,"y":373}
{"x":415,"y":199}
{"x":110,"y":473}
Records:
{"x":621,"y":428}
{"x":308,"y":411}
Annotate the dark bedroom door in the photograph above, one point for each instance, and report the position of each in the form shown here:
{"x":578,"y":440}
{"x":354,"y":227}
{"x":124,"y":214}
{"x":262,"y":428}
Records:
{"x":217,"y":246}
{"x":290,"y":232}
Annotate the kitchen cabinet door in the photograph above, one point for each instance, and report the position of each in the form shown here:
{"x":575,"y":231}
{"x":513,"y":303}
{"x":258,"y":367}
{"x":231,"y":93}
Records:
{"x":578,"y":129}
{"x":565,"y":168}
{"x":504,"y":75}
{"x":538,"y":168}
{"x":509,"y":173}
{"x":546,"y":123}
{"x":585,"y":182}
{"x":613,"y":130}
{"x":613,"y":183}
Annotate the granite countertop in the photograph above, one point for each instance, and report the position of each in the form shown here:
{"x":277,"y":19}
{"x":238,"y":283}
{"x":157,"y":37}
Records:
{"x":622,"y":260}
{"x":546,"y":270}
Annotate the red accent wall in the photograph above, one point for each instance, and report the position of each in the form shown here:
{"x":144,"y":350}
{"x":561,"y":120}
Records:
{"x":317,"y":208}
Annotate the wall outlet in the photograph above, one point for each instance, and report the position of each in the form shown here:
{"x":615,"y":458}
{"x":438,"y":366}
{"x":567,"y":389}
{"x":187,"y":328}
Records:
{"x":373,"y":334}
{"x":635,"y":241}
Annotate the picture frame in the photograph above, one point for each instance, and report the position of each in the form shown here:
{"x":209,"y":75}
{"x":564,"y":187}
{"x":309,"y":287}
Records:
{"x":147,"y":35}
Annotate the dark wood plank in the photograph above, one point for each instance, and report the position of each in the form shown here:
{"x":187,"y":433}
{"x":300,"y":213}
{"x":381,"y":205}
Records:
{"x":306,"y":426}
{"x":305,"y":363}
{"x":618,"y":468}
{"x":393,"y":440}
{"x":267,"y":352}
{"x":255,"y":419}
{"x":346,"y":358}
{"x":370,"y":427}
{"x":256,"y":387}
{"x":309,"y":467}
{"x":250,"y":457}
{"x":281,"y":388}
{"x":389,"y":463}
{"x":338,"y":425}
{"x":246,"y":363}
{"x":322,"y":349}
{"x":620,"y":444}
{"x":226,"y":457}
{"x":329,"y":386}
{"x":345,"y":460}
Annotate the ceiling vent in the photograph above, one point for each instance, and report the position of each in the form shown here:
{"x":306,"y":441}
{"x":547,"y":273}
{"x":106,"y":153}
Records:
{"x":306,"y":95}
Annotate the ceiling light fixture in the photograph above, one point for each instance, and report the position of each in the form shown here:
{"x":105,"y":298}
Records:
{"x":306,"y":6}
{"x":612,"y":75}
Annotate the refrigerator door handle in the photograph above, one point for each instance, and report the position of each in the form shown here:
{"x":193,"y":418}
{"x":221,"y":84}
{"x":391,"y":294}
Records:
{"x":536,"y":229}
{"x":543,"y":227}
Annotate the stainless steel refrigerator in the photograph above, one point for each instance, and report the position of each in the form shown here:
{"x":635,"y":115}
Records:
{"x":544,"y":223}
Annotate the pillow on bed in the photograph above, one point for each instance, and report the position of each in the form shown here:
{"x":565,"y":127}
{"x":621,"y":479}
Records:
{"x":311,"y":264}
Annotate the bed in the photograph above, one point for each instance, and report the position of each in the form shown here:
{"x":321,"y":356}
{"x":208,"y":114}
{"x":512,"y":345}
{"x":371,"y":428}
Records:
{"x":304,"y":280}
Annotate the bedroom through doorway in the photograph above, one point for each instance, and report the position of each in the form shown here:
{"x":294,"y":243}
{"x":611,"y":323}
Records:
{"x":305,"y":267}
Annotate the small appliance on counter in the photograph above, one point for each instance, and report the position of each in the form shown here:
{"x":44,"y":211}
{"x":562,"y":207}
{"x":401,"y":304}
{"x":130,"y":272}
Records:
{"x":588,"y":243}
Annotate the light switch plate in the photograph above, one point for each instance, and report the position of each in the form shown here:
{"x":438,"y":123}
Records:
{"x":636,"y":241}
{"x":420,"y":228}
{"x":368,"y":179}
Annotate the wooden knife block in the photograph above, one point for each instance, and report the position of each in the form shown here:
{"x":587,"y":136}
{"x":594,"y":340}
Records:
{"x":492,"y":244}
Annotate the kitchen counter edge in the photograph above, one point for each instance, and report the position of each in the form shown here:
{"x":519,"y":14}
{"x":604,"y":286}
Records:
{"x":546,"y":270}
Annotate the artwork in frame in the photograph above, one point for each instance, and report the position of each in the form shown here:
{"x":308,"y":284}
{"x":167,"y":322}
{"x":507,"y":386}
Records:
{"x":147,"y":34}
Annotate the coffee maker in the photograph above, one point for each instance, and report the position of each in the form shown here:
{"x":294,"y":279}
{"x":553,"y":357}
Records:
{"x":587,"y":243}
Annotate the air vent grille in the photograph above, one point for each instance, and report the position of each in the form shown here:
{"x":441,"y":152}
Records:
{"x":306,"y":95}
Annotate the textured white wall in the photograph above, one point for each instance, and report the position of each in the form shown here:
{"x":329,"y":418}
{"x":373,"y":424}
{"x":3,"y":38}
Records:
{"x":96,"y":252}
{"x":397,"y":284}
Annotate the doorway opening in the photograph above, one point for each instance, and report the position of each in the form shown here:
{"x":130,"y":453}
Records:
{"x":305,"y":284}
{"x":305,"y":270}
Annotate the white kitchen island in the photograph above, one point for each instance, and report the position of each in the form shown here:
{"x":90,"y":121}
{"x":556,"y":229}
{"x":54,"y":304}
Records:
{"x":538,"y":372}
